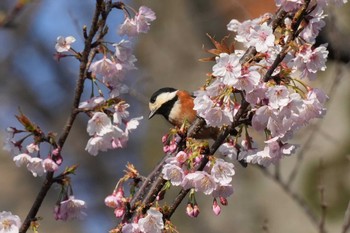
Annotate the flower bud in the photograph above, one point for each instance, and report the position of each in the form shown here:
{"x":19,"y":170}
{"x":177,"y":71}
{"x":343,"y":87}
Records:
{"x":189,"y":210}
{"x":195,"y":210}
{"x":223,"y":201}
{"x":216,"y":207}
{"x":119,"y":212}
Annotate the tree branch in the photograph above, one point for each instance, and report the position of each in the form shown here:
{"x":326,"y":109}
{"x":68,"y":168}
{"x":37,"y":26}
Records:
{"x":84,"y":61}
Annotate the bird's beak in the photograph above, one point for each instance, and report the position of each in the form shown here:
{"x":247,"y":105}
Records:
{"x":152,"y":113}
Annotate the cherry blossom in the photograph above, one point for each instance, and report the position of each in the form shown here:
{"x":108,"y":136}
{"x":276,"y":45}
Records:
{"x":9,"y":143}
{"x":152,"y":222}
{"x":222,"y":172}
{"x":92,"y":102}
{"x":140,"y":24}
{"x":229,"y":150}
{"x":9,"y":223}
{"x":69,"y":209}
{"x":96,"y":144}
{"x":143,"y":18}
{"x":32,"y":147}
{"x":309,"y":61}
{"x":262,"y":37}
{"x":201,"y":181}
{"x":173,"y":173}
{"x":289,"y":5}
{"x":123,"y":50}
{"x":223,"y":191}
{"x":131,"y":228}
{"x":64,"y":43}
{"x":100,"y":124}
{"x":278,"y":96}
{"x":49,"y":165}
{"x":228,"y":68}
{"x":36,"y":167}
{"x":216,"y":207}
{"x":249,"y":80}
{"x":22,"y":159}
{"x":106,"y":68}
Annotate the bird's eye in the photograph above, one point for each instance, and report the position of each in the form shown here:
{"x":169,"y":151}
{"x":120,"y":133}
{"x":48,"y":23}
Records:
{"x":153,"y":99}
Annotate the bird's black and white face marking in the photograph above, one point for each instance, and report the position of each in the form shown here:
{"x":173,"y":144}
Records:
{"x":162,"y":101}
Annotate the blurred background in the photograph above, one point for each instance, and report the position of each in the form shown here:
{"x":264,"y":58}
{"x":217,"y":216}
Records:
{"x":167,"y":56}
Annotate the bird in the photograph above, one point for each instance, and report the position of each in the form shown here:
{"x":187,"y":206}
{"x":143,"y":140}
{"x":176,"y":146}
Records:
{"x":176,"y":106}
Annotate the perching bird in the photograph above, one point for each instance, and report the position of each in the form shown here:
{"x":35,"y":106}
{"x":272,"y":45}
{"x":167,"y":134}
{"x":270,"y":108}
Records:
{"x":177,"y":107}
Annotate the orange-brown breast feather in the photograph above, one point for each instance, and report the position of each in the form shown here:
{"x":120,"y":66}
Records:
{"x":187,"y":106}
{"x":190,"y":114}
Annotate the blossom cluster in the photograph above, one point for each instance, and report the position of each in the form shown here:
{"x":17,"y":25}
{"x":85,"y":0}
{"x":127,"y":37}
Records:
{"x":109,"y":126}
{"x":279,"y":104}
{"x":215,"y":179}
{"x":152,"y":222}
{"x":29,"y":155}
{"x":106,"y":127}
{"x":107,"y":133}
{"x":139,"y":24}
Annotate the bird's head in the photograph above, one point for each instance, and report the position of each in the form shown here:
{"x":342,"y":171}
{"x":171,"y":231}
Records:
{"x":162,"y":102}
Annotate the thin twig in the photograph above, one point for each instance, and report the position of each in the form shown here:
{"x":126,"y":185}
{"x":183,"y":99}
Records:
{"x":285,"y":48}
{"x":13,"y":14}
{"x":37,"y":203}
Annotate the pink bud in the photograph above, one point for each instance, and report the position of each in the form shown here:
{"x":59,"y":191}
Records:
{"x":166,"y":149}
{"x":216,"y":207}
{"x":172,"y":147}
{"x":165,"y":138}
{"x":119,"y":212}
{"x":189,"y":210}
{"x":112,"y":202}
{"x":120,"y":194}
{"x":181,"y":157}
{"x":195,"y":210}
{"x":223,"y":201}
{"x":50,"y":165}
{"x":198,"y":159}
{"x":56,"y":156}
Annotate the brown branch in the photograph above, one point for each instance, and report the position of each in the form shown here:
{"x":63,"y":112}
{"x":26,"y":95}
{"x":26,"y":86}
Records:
{"x":285,"y":48}
{"x":37,"y":203}
{"x":11,"y":16}
{"x":85,"y":59}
